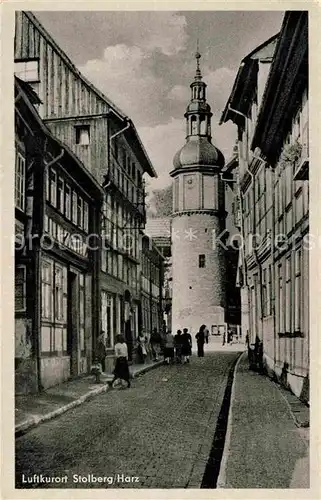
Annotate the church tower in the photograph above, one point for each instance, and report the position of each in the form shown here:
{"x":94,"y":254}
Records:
{"x":198,"y":217}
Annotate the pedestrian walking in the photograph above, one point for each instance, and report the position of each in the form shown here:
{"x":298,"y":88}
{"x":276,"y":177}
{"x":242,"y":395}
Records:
{"x":141,"y":347}
{"x":206,"y":335}
{"x":155,"y":342}
{"x":121,"y":370}
{"x":200,"y":337}
{"x":178,"y":346}
{"x":101,"y":351}
{"x":169,"y":348}
{"x":163,"y":334}
{"x":186,"y":349}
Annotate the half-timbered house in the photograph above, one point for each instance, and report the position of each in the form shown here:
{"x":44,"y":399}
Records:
{"x":58,"y":204}
{"x":107,"y":143}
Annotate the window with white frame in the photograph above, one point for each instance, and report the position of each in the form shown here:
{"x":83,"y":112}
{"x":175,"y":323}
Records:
{"x":53,"y":187}
{"x":28,"y":71}
{"x":80,"y":213}
{"x":86,"y":215}
{"x":299,"y":205}
{"x":74,"y":207}
{"x":297,"y":291}
{"x":288,"y":304}
{"x":20,"y":288}
{"x":47,"y":289}
{"x":20,"y":181}
{"x":59,"y":311}
{"x":67,"y":201}
{"x":82,"y":135}
{"x":280,"y":300}
{"x":60,"y":195}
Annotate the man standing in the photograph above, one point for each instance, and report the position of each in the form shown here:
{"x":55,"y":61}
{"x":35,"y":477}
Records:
{"x":101,"y":350}
{"x":178,"y":346}
{"x":186,"y":342}
{"x":155,"y":342}
{"x":206,"y":335}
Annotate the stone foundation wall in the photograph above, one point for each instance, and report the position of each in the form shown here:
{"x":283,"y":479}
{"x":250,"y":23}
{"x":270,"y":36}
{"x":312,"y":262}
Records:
{"x":54,"y":371}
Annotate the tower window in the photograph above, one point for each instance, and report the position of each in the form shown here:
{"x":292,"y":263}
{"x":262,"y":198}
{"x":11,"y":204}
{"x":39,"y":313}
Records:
{"x":201,"y":260}
{"x":203,"y":125}
{"x":193,"y":125}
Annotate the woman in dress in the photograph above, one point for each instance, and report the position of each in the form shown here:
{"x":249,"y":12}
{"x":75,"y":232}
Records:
{"x":121,"y":370}
{"x":186,"y":343}
{"x":200,"y":337}
{"x":169,"y":348}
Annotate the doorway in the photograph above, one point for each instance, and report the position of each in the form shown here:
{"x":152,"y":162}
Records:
{"x":73,"y":316}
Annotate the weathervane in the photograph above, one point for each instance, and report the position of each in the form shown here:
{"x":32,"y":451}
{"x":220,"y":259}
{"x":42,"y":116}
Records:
{"x":198,"y":75}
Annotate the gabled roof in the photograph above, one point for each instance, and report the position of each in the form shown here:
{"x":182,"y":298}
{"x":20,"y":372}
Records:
{"x":287,"y":79}
{"x":158,"y":227}
{"x":245,"y":80}
{"x":144,"y":158}
{"x":22,"y":91}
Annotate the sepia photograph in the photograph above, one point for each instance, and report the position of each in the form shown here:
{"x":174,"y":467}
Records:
{"x":161,"y":249}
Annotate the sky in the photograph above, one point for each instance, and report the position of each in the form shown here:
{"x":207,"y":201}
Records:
{"x":144,"y":62}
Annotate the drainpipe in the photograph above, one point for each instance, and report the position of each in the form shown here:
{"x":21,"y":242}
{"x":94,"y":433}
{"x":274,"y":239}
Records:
{"x":121,"y":131}
{"x":241,"y":204}
{"x":273,"y":276}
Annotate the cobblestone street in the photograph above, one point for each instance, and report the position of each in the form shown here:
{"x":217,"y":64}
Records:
{"x":160,"y":431}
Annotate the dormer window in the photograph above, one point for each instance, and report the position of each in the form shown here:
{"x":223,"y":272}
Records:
{"x":82,"y":135}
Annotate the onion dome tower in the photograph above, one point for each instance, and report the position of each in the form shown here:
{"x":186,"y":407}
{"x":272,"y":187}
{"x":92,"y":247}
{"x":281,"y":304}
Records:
{"x":198,"y":218}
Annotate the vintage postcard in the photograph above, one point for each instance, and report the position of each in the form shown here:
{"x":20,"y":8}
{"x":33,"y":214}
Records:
{"x":161,"y":249}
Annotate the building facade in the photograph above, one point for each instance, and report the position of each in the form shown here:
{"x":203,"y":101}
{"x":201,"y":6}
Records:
{"x":159,"y":230}
{"x":107,"y":143}
{"x":198,"y":216}
{"x":152,"y":275}
{"x":58,"y":206}
{"x":269,"y":104}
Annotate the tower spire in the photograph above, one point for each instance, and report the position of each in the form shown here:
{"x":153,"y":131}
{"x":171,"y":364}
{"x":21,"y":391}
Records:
{"x":198,"y":75}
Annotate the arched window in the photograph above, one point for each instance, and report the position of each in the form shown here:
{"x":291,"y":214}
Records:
{"x":193,"y":125}
{"x":203,"y":125}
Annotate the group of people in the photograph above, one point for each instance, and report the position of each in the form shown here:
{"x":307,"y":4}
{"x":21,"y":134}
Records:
{"x":179,"y":347}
